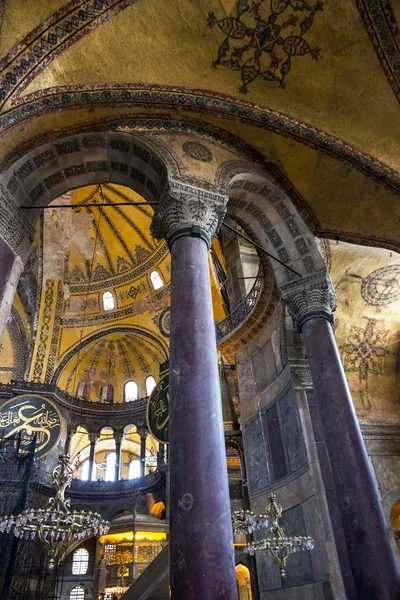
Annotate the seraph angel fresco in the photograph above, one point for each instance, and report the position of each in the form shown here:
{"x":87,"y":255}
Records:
{"x":264,"y":37}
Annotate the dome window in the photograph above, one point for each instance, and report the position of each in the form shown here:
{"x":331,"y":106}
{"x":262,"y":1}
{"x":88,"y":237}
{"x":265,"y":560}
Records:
{"x":108,"y":301}
{"x":131,"y":391}
{"x":156,"y":280}
{"x":150,"y":384}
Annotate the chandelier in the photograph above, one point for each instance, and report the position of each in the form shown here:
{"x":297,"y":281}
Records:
{"x":56,"y":525}
{"x":279,"y":547}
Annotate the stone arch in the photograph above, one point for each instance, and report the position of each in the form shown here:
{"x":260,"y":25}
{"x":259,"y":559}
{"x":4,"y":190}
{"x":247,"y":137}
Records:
{"x":268,"y":215}
{"x":53,"y":169}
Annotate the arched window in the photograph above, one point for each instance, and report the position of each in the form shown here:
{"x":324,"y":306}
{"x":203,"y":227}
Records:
{"x":85,"y":471}
{"x":243,"y":582}
{"x":108,"y":301}
{"x":134,"y":469}
{"x":77,"y":593}
{"x":150,"y":384}
{"x":156,"y":280}
{"x":83,"y":390}
{"x":80,"y":562}
{"x":107,"y":393}
{"x":110,"y":467}
{"x":131,"y":391}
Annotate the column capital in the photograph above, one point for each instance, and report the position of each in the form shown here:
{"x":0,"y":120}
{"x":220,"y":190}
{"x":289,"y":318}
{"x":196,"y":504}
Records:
{"x":311,"y":297}
{"x":188,"y":211}
{"x":118,"y":436}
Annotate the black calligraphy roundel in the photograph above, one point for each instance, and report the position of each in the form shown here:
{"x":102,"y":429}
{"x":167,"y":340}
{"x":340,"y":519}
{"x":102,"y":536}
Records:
{"x":158,"y":411}
{"x":24,"y":416}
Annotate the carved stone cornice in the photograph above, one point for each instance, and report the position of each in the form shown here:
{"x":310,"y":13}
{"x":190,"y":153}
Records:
{"x":300,"y":368}
{"x":381,"y":437}
{"x":310,"y":297}
{"x":185,"y":210}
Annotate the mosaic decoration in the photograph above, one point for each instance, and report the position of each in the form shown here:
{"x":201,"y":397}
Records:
{"x":383,"y":30}
{"x":263,"y":38}
{"x":110,"y":361}
{"x":57,"y":33}
{"x":164,"y":322}
{"x":365,"y":350}
{"x":167,"y":96}
{"x":197,"y":151}
{"x":51,"y":361}
{"x":382,"y":287}
{"x":29,"y":414}
{"x":45,"y":330}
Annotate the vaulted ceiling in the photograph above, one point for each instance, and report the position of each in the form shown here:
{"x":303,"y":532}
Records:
{"x":313,"y":88}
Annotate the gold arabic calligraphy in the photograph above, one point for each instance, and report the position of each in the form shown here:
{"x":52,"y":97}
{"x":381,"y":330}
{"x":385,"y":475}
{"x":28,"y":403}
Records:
{"x":159,"y":405}
{"x":29,"y":418}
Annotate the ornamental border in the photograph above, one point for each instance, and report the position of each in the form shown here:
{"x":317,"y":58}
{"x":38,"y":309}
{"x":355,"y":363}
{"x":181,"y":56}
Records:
{"x":192,"y":100}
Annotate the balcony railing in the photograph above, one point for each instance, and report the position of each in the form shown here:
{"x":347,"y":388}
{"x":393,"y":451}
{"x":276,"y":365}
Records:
{"x":241,"y":312}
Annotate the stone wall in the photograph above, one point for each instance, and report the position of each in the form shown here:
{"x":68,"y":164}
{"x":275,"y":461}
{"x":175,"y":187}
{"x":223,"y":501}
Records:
{"x":281,"y":455}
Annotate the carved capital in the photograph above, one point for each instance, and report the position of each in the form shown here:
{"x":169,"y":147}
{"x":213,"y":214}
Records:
{"x":185,"y":210}
{"x":311,"y":297}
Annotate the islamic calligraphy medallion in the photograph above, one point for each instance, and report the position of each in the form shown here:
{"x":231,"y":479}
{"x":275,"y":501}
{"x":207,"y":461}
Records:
{"x":23,"y":416}
{"x":158,"y":411}
{"x":264,"y":37}
{"x":382,"y":286}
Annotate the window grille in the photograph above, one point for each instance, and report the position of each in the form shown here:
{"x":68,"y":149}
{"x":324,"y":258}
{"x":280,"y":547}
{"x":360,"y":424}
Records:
{"x":77,"y":593}
{"x":108,"y":301}
{"x":80,"y":562}
{"x":156,"y":280}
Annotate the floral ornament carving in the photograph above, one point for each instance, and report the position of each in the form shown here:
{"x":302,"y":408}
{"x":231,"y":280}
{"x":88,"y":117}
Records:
{"x":365,"y":350}
{"x":183,"y":207}
{"x":264,"y":37}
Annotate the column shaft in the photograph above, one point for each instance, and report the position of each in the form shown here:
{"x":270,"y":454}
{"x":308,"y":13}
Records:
{"x":142,"y":454}
{"x":202,"y":558}
{"x":10,"y":270}
{"x":117,"y":458}
{"x":371,"y":556}
{"x":91,"y":456}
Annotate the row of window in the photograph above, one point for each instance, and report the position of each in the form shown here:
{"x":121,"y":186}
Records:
{"x":131,"y":390}
{"x":108,"y":297}
{"x":133,"y":469}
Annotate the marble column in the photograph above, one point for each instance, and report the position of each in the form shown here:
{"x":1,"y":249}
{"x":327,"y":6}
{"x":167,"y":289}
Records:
{"x":143,"y":436}
{"x":373,"y":565}
{"x":10,"y":270}
{"x":118,"y":441}
{"x":201,"y":544}
{"x":92,"y":440}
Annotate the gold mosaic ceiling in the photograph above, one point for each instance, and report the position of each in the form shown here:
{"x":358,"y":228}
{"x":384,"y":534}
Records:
{"x":312,"y":87}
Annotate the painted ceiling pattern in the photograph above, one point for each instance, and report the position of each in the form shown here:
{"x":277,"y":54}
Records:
{"x":263,"y":38}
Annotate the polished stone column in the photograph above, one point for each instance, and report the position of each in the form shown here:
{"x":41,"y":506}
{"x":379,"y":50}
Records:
{"x":371,"y":557}
{"x":118,"y":442}
{"x":92,"y":440}
{"x":10,"y":270}
{"x":143,"y":436}
{"x":201,"y":544}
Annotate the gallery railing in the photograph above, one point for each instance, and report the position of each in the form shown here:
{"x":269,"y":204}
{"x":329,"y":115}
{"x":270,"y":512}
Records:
{"x":241,"y":312}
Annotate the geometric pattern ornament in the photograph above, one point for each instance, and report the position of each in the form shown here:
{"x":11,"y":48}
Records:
{"x":164,"y":322}
{"x":382,"y":286}
{"x":365,"y":350}
{"x":263,"y":38}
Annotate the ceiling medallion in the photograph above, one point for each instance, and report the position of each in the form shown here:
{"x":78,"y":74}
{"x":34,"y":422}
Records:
{"x":279,"y":547}
{"x":264,"y":37}
{"x":197,"y":151}
{"x":56,"y":526}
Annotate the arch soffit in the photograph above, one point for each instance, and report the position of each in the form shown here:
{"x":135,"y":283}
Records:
{"x":78,"y":160}
{"x":267,"y":213}
{"x":139,"y":331}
